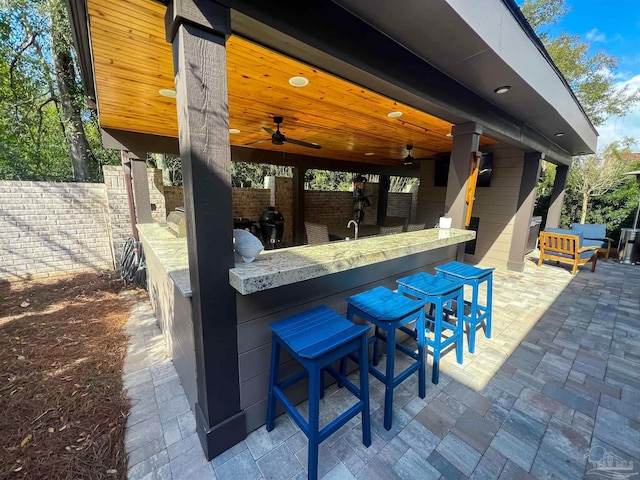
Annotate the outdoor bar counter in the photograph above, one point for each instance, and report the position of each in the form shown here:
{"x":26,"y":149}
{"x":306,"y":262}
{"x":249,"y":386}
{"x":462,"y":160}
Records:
{"x":277,"y":284}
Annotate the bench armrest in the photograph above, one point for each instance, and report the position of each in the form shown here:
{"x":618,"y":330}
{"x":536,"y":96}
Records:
{"x":586,"y":249}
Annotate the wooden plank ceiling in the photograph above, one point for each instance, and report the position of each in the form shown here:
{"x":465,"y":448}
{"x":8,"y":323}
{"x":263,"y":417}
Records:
{"x":132,"y":62}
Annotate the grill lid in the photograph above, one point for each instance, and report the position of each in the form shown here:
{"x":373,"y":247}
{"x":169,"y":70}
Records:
{"x":177,"y":223}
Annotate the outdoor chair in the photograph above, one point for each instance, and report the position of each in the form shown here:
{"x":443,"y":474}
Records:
{"x":391,"y":230}
{"x":316,"y":233}
{"x":566,"y":246}
{"x":415,"y":227}
{"x":594,"y":236}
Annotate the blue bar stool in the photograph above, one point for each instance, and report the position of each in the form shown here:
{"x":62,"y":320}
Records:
{"x":389,"y":311}
{"x":474,"y":277}
{"x":316,"y":338}
{"x":441,"y":293}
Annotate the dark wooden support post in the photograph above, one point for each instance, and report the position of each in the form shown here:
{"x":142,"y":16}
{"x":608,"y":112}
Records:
{"x":557,"y":197}
{"x":466,"y":139}
{"x":298,"y":205}
{"x":526,"y":202}
{"x":141,"y":188}
{"x":197,"y":30}
{"x":125,"y":158}
{"x":383,"y":197}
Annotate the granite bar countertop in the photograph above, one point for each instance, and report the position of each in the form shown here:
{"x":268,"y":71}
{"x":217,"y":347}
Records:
{"x":275,"y":268}
{"x":171,"y":252}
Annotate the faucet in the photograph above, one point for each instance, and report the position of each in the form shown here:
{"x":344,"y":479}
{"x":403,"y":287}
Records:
{"x":355,"y":224}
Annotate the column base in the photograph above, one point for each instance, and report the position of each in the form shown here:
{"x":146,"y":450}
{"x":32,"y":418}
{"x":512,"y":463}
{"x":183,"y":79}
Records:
{"x":221,"y":437}
{"x":515,"y":266}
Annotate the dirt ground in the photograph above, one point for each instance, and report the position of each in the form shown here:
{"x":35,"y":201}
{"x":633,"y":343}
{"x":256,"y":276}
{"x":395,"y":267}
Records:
{"x":62,"y":348}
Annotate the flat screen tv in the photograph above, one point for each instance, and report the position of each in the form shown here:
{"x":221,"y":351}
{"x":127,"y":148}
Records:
{"x":441,"y":174}
{"x":485,"y":170}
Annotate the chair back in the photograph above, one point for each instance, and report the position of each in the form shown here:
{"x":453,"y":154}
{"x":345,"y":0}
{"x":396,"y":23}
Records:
{"x":391,"y":230}
{"x":560,"y":240}
{"x":316,"y":233}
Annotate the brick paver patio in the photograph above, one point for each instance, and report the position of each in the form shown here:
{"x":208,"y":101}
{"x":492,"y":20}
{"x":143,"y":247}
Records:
{"x":560,"y":375}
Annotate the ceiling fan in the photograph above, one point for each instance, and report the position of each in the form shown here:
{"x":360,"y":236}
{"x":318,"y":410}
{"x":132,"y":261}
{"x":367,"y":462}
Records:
{"x":278,"y":138}
{"x":408,"y":160}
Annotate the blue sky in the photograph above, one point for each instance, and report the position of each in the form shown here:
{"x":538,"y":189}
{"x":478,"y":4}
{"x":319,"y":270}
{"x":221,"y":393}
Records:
{"x":612,"y":25}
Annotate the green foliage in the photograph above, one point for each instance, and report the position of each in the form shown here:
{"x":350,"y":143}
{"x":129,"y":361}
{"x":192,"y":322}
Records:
{"x":251,"y":175}
{"x":33,"y":145}
{"x":614,"y":203}
{"x":590,"y":75}
{"x":329,"y":181}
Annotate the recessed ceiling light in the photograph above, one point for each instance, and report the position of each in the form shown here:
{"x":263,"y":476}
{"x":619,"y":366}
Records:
{"x":394,"y":114}
{"x":167,"y":92}
{"x":560,"y":134}
{"x":234,"y":130}
{"x":368,"y":154}
{"x":502,"y":89}
{"x":299,"y":81}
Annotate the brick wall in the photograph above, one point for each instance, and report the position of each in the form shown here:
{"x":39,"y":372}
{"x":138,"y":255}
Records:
{"x":157,"y":195}
{"x":336,"y":208}
{"x":399,"y":204}
{"x":329,"y":208}
{"x":250,"y":202}
{"x":173,"y":198}
{"x":120,"y":227}
{"x":51,"y":229}
{"x":282,"y":199}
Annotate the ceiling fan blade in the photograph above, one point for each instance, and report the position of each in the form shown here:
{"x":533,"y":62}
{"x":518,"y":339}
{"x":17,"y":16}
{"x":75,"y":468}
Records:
{"x":301,"y":143}
{"x":258,"y":141}
{"x":269,"y":131}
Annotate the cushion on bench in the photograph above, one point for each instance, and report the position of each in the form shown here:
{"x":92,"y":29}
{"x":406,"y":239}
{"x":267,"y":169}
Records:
{"x":594,"y":232}
{"x":582,"y":256}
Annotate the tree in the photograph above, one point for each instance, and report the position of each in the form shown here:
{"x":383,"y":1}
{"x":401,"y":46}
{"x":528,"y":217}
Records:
{"x":589,"y":75}
{"x":46,"y":132}
{"x":593,"y":176}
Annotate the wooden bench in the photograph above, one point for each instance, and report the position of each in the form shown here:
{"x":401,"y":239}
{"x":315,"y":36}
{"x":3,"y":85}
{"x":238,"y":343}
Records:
{"x":566,"y":246}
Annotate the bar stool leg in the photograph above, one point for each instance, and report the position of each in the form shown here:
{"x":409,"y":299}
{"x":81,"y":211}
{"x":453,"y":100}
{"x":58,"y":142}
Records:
{"x":437,"y":337}
{"x":273,"y":380}
{"x":376,"y":348}
{"x":460,"y":326}
{"x":389,"y":375}
{"x":364,"y":393}
{"x":420,"y":334}
{"x":314,"y":422}
{"x":473,"y":315}
{"x":489,"y":306}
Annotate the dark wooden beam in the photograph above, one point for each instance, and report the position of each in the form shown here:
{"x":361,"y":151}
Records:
{"x":298,"y":206}
{"x":203,"y":125}
{"x":383,"y":197}
{"x":253,"y":155}
{"x":465,"y":141}
{"x":206,"y":15}
{"x":557,"y":197}
{"x":526,"y":202}
{"x":139,"y":142}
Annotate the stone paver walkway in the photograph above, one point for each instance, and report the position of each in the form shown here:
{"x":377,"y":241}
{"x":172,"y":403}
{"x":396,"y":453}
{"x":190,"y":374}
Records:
{"x":560,"y":376}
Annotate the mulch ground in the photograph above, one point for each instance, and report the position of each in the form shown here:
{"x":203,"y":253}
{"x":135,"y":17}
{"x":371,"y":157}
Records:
{"x":62,"y":349}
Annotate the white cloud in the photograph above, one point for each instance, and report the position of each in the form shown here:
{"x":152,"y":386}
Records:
{"x":616,"y":128}
{"x":594,"y":36}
